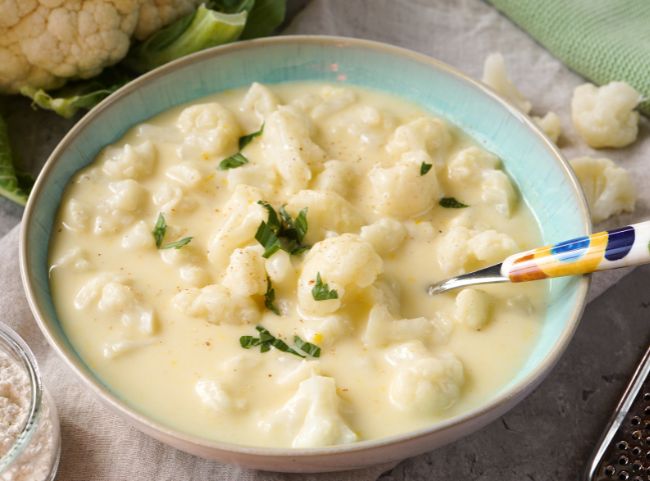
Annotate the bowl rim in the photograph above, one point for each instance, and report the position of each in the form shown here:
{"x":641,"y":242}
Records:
{"x":122,"y":407}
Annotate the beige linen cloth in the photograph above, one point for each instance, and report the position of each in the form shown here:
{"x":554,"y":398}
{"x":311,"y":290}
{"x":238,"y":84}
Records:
{"x":97,"y":445}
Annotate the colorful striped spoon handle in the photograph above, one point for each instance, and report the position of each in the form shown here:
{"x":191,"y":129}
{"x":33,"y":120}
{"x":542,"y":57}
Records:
{"x":622,"y":247}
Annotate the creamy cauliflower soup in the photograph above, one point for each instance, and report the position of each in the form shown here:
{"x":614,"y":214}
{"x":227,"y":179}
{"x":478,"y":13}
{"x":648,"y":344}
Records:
{"x":252,"y":267}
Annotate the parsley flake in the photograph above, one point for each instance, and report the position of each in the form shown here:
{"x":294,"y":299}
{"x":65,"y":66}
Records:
{"x":159,"y":231}
{"x":451,"y":203}
{"x":244,"y":140}
{"x":282,"y":232}
{"x":177,"y":244}
{"x":269,"y":297}
{"x":306,"y":347}
{"x":424,"y":168}
{"x":321,"y":291}
{"x":266,"y":341}
{"x":232,"y":162}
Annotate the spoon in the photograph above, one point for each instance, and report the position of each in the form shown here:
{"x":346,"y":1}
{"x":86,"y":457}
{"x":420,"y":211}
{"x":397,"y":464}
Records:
{"x":611,"y":249}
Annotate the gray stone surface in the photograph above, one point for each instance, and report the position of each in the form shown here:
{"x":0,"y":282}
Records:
{"x":551,"y":434}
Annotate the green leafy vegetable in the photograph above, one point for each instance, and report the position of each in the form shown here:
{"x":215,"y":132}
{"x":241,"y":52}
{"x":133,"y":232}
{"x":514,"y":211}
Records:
{"x":196,"y":31}
{"x":269,"y":297}
{"x":244,"y":140}
{"x":159,"y":231}
{"x":13,"y":184}
{"x":232,"y":162}
{"x":282,"y":232}
{"x":451,"y":203}
{"x":264,"y":18}
{"x":424,"y":168}
{"x":266,"y":341}
{"x":306,"y":347}
{"x":321,"y":291}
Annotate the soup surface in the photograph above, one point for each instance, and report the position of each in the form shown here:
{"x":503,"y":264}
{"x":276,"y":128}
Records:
{"x":269,"y":289}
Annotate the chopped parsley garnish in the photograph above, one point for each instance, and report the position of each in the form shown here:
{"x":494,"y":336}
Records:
{"x":238,"y":159}
{"x":282,"y":232}
{"x":268,"y":340}
{"x":424,"y":168}
{"x":269,"y":297}
{"x":322,"y":292}
{"x":244,"y":140}
{"x":307,"y":347}
{"x":451,"y":203}
{"x":159,"y":231}
{"x":232,"y":162}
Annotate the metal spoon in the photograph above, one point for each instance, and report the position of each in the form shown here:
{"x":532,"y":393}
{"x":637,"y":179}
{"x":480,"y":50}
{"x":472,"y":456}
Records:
{"x":611,"y":249}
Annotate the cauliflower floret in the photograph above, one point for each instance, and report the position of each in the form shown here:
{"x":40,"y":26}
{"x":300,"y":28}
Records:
{"x":131,"y":162}
{"x":242,"y":216}
{"x":155,"y":14}
{"x":605,"y":116}
{"x":138,"y":237}
{"x":608,"y":187}
{"x":334,"y":100}
{"x":427,"y":384}
{"x":76,"y":258}
{"x":461,"y":247}
{"x":469,"y":164}
{"x":187,"y":174}
{"x":213,"y":395}
{"x":128,"y":195}
{"x":288,"y":143}
{"x":550,"y":124}
{"x":256,"y":175}
{"x":111,"y":350}
{"x":245,"y":275}
{"x":498,"y":191}
{"x":385,"y":235}
{"x":217,"y":305}
{"x":401,"y":191}
{"x":426,"y":134}
{"x":344,"y":263}
{"x":473,"y":308}
{"x":260,"y":101}
{"x":45,"y":43}
{"x":210,"y":130}
{"x":337,"y":176}
{"x":76,"y":216}
{"x":193,"y":275}
{"x":170,"y":198}
{"x":311,"y":416}
{"x":279,"y":266}
{"x":382,"y":328}
{"x":326,"y":212}
{"x":496,"y":77}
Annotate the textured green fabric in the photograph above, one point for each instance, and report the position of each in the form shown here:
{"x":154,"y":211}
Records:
{"x":603,"y":40}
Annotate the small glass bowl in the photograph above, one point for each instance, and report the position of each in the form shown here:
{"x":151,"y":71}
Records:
{"x":34,"y":454}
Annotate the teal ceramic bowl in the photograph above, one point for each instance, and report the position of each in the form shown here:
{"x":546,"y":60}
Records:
{"x":544,"y":179}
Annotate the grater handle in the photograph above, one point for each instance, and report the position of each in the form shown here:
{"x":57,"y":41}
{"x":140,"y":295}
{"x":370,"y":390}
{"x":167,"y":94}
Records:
{"x":626,"y":246}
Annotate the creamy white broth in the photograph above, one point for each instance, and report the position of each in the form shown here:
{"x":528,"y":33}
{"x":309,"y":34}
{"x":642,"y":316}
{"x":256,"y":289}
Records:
{"x":136,"y":316}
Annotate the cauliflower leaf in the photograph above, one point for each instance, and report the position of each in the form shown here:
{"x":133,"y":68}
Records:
{"x":14,"y":184}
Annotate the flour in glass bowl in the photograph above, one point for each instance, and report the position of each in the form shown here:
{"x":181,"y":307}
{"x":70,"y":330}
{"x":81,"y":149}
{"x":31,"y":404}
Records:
{"x":39,"y":456}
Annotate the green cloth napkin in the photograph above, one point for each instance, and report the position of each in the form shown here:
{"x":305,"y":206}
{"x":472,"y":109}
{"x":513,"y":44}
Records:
{"x":603,"y":40}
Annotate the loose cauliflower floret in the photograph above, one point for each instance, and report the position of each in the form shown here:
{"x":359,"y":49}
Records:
{"x":288,"y":143}
{"x":385,"y":235}
{"x":213,"y":395}
{"x":337,"y":176}
{"x":210,"y":130}
{"x":326,"y":212}
{"x":128,"y":195}
{"x":496,"y":77}
{"x":138,"y":237}
{"x":608,"y":187}
{"x":427,"y":385}
{"x":401,"y":191}
{"x":311,"y":416}
{"x":187,"y":174}
{"x":470,"y":163}
{"x":171,"y":199}
{"x":259,"y":101}
{"x":605,"y":116}
{"x":131,"y":162}
{"x":461,"y":247}
{"x":345,"y":263}
{"x":193,"y":275}
{"x":242,"y":216}
{"x":426,"y":134}
{"x":473,"y":308}
{"x":45,"y":43}
{"x":382,"y":328}
{"x":217,"y":305}
{"x":497,"y":190}
{"x":245,"y":275}
{"x":279,"y":266}
{"x":550,"y":124}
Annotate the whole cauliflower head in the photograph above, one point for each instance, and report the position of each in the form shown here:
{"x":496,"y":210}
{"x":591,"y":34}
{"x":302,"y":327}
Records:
{"x":605,"y":116}
{"x":43,"y":43}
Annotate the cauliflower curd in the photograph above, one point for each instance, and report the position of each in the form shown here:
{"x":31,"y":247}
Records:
{"x":252,"y":267}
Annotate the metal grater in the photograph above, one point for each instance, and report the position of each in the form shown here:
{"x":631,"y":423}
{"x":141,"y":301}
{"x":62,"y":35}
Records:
{"x":623,"y":452}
